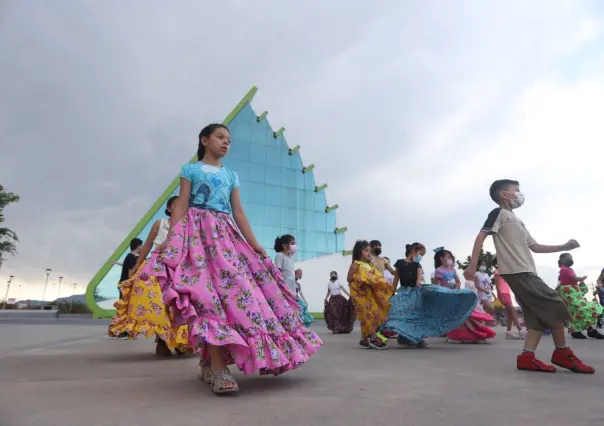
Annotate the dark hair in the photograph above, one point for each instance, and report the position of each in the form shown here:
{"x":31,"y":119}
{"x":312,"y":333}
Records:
{"x":358,"y":248}
{"x":374,"y":243}
{"x":561,"y":259}
{"x":439,"y":254}
{"x":411,"y":247}
{"x":169,"y":204}
{"x":494,"y":261}
{"x":206,"y":132}
{"x":135,"y":243}
{"x":333,"y":273}
{"x":498,"y":186}
{"x":283,"y":239}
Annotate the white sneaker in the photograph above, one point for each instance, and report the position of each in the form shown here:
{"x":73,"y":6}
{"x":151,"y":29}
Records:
{"x":512,"y":335}
{"x":522,"y":333}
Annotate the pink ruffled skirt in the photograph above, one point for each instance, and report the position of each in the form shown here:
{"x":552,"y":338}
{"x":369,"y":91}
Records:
{"x":474,"y":329}
{"x":229,"y":296}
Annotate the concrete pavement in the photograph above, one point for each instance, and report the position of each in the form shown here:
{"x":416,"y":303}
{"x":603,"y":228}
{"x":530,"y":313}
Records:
{"x":69,"y":373}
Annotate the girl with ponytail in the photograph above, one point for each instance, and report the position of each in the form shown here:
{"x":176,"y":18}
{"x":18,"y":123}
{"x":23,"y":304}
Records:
{"x":216,"y":277}
{"x":419,"y":311}
{"x":141,"y":309}
{"x":285,"y":246}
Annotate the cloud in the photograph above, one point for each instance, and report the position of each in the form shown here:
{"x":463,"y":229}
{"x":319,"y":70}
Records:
{"x":408,"y":110}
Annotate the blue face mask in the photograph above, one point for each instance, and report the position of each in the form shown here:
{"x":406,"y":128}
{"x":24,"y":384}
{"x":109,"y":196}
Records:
{"x":418,"y":258}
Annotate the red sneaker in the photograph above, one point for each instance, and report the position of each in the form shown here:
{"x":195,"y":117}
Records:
{"x":527,"y":361}
{"x":565,"y":358}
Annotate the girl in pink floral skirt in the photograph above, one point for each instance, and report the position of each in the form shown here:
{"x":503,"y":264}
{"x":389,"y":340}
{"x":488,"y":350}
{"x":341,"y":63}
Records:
{"x":217,"y":279}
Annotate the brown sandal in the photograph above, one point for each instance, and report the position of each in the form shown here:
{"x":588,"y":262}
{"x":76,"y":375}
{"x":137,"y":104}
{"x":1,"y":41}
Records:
{"x":220,"y":381}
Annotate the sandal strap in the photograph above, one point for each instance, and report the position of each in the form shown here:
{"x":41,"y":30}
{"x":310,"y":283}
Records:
{"x":221,"y":378}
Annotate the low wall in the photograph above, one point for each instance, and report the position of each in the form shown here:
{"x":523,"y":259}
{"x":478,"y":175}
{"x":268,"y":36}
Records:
{"x":25,"y":313}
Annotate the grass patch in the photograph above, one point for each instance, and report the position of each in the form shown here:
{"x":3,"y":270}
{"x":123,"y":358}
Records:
{"x":317,"y":315}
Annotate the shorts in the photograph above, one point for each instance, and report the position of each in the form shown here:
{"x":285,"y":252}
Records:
{"x":506,"y":299}
{"x":541,"y":306}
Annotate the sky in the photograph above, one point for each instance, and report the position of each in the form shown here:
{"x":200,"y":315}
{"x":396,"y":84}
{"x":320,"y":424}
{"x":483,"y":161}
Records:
{"x":408,"y":109}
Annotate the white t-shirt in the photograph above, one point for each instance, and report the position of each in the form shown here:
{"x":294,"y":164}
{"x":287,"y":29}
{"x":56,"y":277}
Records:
{"x":162,"y":232}
{"x":334,"y":288}
{"x":286,"y":265}
{"x":388,"y":276}
{"x":485,"y":284}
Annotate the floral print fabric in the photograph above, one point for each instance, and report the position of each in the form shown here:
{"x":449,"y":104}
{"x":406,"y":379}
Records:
{"x":229,"y":296}
{"x":339,"y":314}
{"x":141,"y":310}
{"x":583,"y":314}
{"x":370,"y":293}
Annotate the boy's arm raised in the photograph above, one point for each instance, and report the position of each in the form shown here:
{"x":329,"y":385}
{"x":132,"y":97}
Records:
{"x":490,"y":227}
{"x":470,"y":271}
{"x":540,"y":248}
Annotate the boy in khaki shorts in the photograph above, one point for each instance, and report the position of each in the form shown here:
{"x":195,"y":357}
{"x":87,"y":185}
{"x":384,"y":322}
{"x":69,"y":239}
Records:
{"x":540,"y":304}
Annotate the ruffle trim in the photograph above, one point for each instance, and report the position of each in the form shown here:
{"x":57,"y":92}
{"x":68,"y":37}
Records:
{"x":122,"y":323}
{"x":268,"y":353}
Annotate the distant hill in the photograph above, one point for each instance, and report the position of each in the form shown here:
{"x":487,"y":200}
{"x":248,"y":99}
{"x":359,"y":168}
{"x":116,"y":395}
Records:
{"x":76,"y":298}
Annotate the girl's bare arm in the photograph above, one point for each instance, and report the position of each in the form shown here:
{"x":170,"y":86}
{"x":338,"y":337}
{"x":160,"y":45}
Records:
{"x":354,"y":267}
{"x":147,"y":246}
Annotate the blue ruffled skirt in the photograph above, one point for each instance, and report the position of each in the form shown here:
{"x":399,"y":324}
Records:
{"x":429,"y":310}
{"x":307,"y":319}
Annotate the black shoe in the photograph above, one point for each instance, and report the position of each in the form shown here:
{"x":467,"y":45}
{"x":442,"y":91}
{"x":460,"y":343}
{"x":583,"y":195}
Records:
{"x":378,"y":343}
{"x":578,"y":335}
{"x":595,"y":334}
{"x":404,"y":342}
{"x":364,"y":344}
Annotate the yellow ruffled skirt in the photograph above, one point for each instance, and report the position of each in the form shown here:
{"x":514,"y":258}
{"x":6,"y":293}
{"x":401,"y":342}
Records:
{"x":141,"y":310}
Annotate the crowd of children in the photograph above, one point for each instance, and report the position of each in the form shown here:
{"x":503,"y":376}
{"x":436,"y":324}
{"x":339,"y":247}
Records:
{"x":209,"y":286}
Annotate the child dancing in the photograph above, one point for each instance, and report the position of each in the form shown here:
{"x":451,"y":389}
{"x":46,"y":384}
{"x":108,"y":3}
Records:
{"x":482,"y":282}
{"x":339,"y":312}
{"x":541,"y":306}
{"x":140,"y":309}
{"x":236,"y":303}
{"x":504,"y":294}
{"x":572,"y":289}
{"x":370,"y":293}
{"x":420,"y":311}
{"x":307,"y":318}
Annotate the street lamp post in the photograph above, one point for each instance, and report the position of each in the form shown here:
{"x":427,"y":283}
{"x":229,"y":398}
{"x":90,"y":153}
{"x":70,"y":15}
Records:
{"x":60,"y":279}
{"x":10,"y":279}
{"x":72,"y":297}
{"x":46,"y":284}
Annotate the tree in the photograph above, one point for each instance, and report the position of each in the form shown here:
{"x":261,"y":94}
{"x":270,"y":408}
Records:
{"x":8,"y":238}
{"x":486,"y":256}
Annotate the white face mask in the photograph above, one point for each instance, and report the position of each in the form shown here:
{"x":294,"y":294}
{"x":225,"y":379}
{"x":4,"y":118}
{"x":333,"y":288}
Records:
{"x":293,"y":249}
{"x":482,"y":268}
{"x":519,"y":201}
